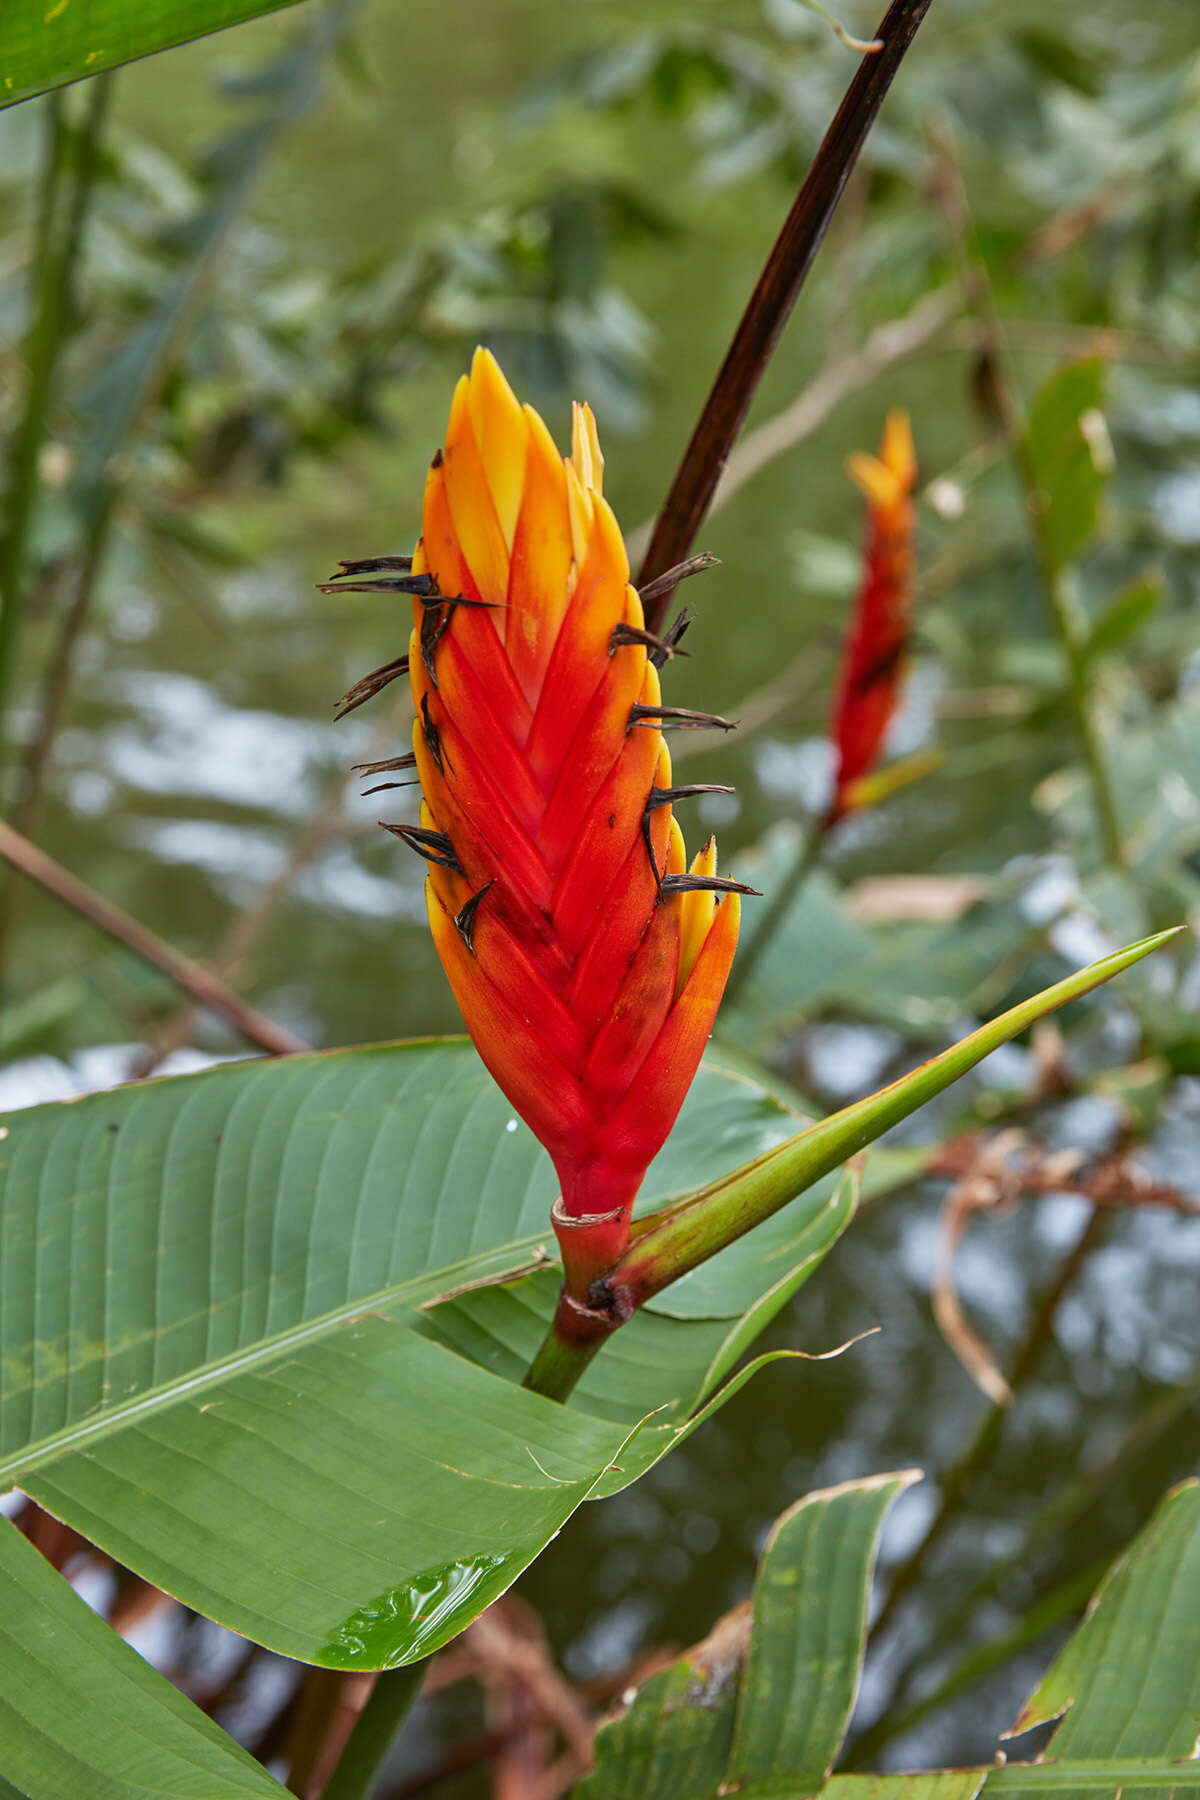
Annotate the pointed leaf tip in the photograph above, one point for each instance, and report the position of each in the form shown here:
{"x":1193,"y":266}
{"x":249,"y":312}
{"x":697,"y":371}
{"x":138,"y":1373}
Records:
{"x":716,"y":1216}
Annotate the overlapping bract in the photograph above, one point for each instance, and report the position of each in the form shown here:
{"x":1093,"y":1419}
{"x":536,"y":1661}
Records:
{"x":587,"y":979}
{"x":873,"y":659}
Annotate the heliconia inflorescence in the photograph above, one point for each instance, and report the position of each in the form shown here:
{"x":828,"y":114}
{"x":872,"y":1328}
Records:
{"x":872,"y":666}
{"x":588,"y":959}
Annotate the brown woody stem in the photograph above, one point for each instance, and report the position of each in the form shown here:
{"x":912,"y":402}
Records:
{"x":205,"y":988}
{"x":771,"y":303}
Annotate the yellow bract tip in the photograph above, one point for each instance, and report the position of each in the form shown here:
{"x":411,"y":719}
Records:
{"x":876,"y":481}
{"x":887,"y":478}
{"x":697,"y":911}
{"x":897,"y":452}
{"x":501,"y":434}
{"x":585,"y":448}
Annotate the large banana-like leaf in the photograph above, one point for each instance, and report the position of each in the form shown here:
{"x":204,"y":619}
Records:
{"x":217,"y":1363}
{"x":249,"y":1345}
{"x":45,"y":46}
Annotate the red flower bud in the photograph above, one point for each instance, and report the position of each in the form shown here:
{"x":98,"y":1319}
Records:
{"x":587,"y":965}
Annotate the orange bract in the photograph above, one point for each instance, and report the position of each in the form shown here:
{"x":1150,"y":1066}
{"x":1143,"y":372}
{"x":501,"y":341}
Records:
{"x":873,"y":660}
{"x":587,"y":965}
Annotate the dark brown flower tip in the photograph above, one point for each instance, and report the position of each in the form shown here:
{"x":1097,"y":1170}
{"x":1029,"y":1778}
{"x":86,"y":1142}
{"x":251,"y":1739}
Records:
{"x":407,"y":761}
{"x":433,"y":738}
{"x":668,"y":796}
{"x":464,"y":919}
{"x":434,"y":846}
{"x":423,"y":587}
{"x":665,"y":797}
{"x":672,"y":636}
{"x":434,"y":624}
{"x":719,"y":884}
{"x":373,"y":565}
{"x":382,"y":787}
{"x":661,"y":649}
{"x":370,"y":685}
{"x":670,"y":578}
{"x":677,"y":718}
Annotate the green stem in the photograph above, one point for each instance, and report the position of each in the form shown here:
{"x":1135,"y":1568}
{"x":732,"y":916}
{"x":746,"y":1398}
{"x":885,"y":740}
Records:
{"x":56,"y":690}
{"x":48,"y":292}
{"x":994,"y":355}
{"x":1067,"y":631}
{"x":576,"y":1333}
{"x":60,"y":235}
{"x":388,"y":1706}
{"x":804,"y":861}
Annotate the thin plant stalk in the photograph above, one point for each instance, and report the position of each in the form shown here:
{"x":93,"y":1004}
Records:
{"x":63,"y":210}
{"x":1002,"y":392}
{"x":375,"y":1731}
{"x":955,"y":1482}
{"x":49,"y":318}
{"x":804,"y":860}
{"x":193,"y":978}
{"x":56,"y":689}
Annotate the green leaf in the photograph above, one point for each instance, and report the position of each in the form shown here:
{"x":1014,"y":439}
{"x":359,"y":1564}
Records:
{"x":717,"y":1216}
{"x":675,"y":1737}
{"x":45,"y":46}
{"x":761,"y":1706}
{"x":1070,"y":471}
{"x":1129,"y":1680}
{"x":215,"y":1356}
{"x":1061,"y":56}
{"x":81,"y":1713}
{"x":808,"y":1636}
{"x":936,"y":1784}
{"x":1123,"y":617}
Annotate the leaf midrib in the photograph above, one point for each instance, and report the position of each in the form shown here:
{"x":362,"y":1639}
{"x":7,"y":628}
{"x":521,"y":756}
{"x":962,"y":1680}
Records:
{"x":510,"y":1259}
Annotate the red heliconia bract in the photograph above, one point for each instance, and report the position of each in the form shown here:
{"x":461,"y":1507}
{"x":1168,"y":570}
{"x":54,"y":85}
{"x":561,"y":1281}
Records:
{"x":873,"y":658}
{"x":587,"y":960}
